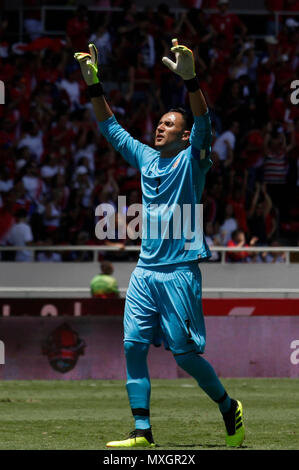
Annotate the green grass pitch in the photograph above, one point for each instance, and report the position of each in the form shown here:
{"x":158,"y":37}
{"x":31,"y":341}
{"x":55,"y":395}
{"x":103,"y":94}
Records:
{"x":86,"y":414}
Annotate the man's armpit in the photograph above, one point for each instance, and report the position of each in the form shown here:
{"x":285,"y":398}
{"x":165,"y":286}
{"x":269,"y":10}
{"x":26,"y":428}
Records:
{"x":202,"y":156}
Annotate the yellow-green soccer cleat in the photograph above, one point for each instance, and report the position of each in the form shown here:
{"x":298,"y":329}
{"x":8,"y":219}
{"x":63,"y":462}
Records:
{"x":137,"y":438}
{"x":233,"y":420}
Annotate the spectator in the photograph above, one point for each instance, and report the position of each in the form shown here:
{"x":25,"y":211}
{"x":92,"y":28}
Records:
{"x":227,"y":23}
{"x":275,"y":256}
{"x":34,"y":186}
{"x":238,"y":239}
{"x":276,"y":165}
{"x":71,"y":86}
{"x":32,"y":19}
{"x":146,"y":42}
{"x":258,"y":212}
{"x":82,"y":238}
{"x":273,"y":6}
{"x":77,"y":29}
{"x":52,"y":214}
{"x":49,"y":169}
{"x":20,"y":234}
{"x":104,"y":285}
{"x":212,"y":240}
{"x":33,"y":139}
{"x":252,"y":156}
{"x":237,"y":198}
{"x":139,"y":81}
{"x":102,"y":40}
{"x":48,"y":256}
{"x":224,"y":144}
{"x":46,"y":149}
{"x":228,"y":226}
{"x":6,"y":183}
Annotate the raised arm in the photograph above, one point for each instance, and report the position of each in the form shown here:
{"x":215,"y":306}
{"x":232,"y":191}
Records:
{"x":89,"y":69}
{"x":131,"y":149}
{"x":185,"y":68}
{"x":201,"y":133}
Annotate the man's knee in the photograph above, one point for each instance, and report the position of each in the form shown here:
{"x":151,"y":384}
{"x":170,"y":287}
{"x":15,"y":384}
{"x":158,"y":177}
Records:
{"x":183,"y":359}
{"x":132,"y":348}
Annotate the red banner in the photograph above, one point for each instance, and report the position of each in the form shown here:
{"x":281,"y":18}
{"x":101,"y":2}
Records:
{"x":82,"y":307}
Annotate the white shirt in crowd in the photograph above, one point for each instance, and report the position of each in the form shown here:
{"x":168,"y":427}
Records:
{"x":6,"y":186}
{"x":215,"y":255}
{"x":19,"y":235}
{"x":48,"y":171}
{"x":89,"y":153}
{"x":220,"y":146}
{"x":103,"y":45}
{"x":226,"y":230}
{"x":34,"y":186}
{"x":49,"y":257}
{"x":73,"y":91}
{"x":34,"y":143}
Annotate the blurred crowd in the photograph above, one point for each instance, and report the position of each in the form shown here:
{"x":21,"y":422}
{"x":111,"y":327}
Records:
{"x":56,"y":168}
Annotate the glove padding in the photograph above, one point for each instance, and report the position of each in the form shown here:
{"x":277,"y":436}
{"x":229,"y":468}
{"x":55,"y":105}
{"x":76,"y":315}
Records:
{"x":89,"y":64}
{"x":184,"y":65}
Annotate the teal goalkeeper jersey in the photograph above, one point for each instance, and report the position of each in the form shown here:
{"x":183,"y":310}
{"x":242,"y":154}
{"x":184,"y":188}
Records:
{"x":171,"y":193}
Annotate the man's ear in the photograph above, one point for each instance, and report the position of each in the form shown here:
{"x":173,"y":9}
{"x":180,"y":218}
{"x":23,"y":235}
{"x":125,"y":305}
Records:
{"x":186,"y":135}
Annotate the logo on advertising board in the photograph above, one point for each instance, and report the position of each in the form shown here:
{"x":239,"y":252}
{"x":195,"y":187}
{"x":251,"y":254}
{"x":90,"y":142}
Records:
{"x":63,"y":348}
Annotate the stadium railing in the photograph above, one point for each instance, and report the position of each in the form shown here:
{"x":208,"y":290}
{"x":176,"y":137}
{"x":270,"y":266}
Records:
{"x":34,"y":291}
{"x":28,"y":291}
{"x":176,"y":11}
{"x":222,"y":250}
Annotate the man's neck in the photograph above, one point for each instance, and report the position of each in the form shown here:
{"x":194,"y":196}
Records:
{"x":170,"y":154}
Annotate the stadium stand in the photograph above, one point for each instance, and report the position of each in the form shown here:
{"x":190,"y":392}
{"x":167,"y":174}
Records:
{"x":56,"y":166}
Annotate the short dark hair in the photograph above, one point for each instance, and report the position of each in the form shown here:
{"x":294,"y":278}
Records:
{"x":106,"y":267}
{"x":185,"y":114}
{"x":21,"y":214}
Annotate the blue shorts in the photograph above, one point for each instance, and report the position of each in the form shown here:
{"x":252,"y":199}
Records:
{"x":163,"y":304}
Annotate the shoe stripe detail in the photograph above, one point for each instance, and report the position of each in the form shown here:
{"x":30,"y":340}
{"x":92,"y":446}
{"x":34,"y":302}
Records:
{"x":239,"y":425}
{"x":238,"y":420}
{"x":238,"y":413}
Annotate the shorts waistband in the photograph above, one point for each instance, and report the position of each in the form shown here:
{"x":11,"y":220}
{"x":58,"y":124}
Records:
{"x":167,"y":268}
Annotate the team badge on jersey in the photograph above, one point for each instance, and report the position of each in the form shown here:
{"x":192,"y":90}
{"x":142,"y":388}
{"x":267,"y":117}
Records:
{"x":176,"y":162}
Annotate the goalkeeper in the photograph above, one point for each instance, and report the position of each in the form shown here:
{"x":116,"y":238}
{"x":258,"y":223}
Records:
{"x":163,"y":301}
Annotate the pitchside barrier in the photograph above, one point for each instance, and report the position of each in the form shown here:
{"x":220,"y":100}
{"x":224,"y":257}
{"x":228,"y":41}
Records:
{"x":82,"y":338}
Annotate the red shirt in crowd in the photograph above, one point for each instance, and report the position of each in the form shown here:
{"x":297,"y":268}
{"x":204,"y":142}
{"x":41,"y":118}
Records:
{"x":226,"y":24}
{"x":237,"y":255}
{"x":274,"y":5}
{"x":292,"y":5}
{"x":240,"y":212}
{"x":77,"y":30}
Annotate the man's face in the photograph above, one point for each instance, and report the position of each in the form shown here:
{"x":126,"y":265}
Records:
{"x":223,"y":7}
{"x":240,"y":238}
{"x":170,"y":132}
{"x":235,"y":128}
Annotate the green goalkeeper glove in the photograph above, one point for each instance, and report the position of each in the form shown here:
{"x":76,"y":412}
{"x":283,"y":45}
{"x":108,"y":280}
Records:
{"x":89,"y":65}
{"x":184,"y":65}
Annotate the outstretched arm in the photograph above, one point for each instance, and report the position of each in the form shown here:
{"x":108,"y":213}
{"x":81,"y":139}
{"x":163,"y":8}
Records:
{"x":185,"y":68}
{"x":201,"y":133}
{"x":131,"y":149}
{"x":89,"y":69}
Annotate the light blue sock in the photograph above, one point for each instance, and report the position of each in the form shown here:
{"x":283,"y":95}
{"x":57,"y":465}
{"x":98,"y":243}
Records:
{"x":202,"y":371}
{"x":138,"y":382}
